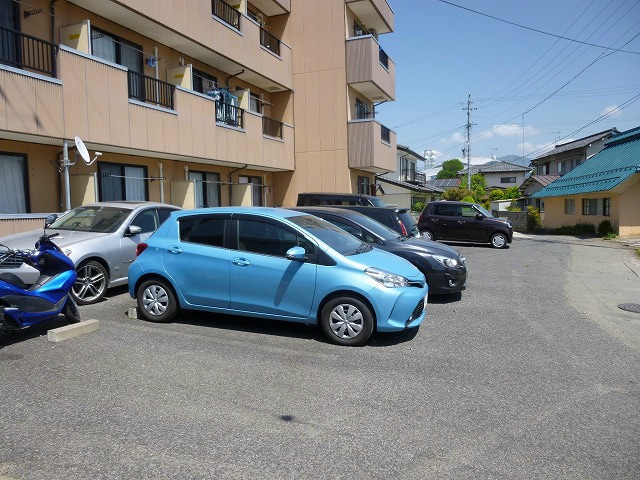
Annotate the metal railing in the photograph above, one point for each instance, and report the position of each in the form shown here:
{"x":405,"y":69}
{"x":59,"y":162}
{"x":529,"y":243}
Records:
{"x":269,"y":42}
{"x":412,"y":176}
{"x":229,"y":115}
{"x":385,"y":134}
{"x":384,"y":58}
{"x":26,"y":52}
{"x":226,"y":13}
{"x":150,"y":90}
{"x":271,"y":127}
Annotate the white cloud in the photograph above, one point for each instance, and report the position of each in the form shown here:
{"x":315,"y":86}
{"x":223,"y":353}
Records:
{"x":612,"y":111}
{"x":513,"y":130}
{"x":532,"y":147}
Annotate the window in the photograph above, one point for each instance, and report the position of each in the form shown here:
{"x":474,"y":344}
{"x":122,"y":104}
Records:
{"x":203,"y":230}
{"x":117,"y":50}
{"x":468,"y":212}
{"x":507,"y":179}
{"x":589,"y":206}
{"x":122,"y":182}
{"x":147,"y":221}
{"x":203,"y":82}
{"x":445,"y":210}
{"x":562,"y":168}
{"x":364,"y":185}
{"x":207,"y":185}
{"x":415,"y":200}
{"x":606,"y":207}
{"x":362,"y":110}
{"x":255,"y":105}
{"x":266,"y":238}
{"x":569,"y":206}
{"x":257,"y":189}
{"x":13,"y":184}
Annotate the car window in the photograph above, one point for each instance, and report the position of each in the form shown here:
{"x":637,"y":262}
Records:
{"x":354,"y":230}
{"x":445,"y":210}
{"x":92,"y":219}
{"x":163,"y":214}
{"x":381,"y":216}
{"x":268,"y":238}
{"x":203,"y":230}
{"x":484,"y":211}
{"x":468,"y":211}
{"x":328,"y":233}
{"x":146,"y":220}
{"x":409,"y":224}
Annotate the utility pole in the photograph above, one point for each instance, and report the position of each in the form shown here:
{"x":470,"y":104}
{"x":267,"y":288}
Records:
{"x":467,"y":149}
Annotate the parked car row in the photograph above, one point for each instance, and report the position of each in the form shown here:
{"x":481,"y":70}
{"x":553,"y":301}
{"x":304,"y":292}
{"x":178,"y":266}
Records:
{"x":353,"y":269}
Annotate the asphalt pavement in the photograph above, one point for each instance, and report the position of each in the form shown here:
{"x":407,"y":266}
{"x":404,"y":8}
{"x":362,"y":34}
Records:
{"x":533,"y":372}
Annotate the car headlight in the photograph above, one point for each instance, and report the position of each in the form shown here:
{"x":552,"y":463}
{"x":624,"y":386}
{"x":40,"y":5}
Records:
{"x":447,"y":261}
{"x":388,"y":279}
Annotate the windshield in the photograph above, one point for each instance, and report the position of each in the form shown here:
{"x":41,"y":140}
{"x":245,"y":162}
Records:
{"x":484,"y":211}
{"x":374,"y":226}
{"x":341,"y":241}
{"x":376,"y":202}
{"x":92,"y":219}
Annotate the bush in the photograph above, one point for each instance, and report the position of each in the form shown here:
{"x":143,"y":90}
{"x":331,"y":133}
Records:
{"x":496,"y":195}
{"x":418,"y":207}
{"x":577,"y":229}
{"x":605,"y":228}
{"x":534,"y":220}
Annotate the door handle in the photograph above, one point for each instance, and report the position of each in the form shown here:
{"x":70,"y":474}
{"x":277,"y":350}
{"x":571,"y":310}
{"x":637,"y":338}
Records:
{"x":241,"y":262}
{"x":174,"y":250}
{"x":460,"y":222}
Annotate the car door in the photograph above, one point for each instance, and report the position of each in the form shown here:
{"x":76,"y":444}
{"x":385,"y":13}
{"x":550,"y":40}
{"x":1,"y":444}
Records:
{"x":444,"y":221}
{"x":469,"y":227}
{"x":262,"y":279}
{"x":198,"y":260}
{"x":124,"y":253}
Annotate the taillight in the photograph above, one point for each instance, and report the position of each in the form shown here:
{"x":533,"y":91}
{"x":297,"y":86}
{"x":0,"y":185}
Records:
{"x":404,"y":230}
{"x":141,"y":247}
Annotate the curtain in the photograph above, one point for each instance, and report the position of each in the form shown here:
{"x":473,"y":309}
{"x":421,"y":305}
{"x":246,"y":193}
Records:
{"x":213,"y":189}
{"x":12,"y":184}
{"x":103,"y":46}
{"x":196,"y":178}
{"x":135,"y":183}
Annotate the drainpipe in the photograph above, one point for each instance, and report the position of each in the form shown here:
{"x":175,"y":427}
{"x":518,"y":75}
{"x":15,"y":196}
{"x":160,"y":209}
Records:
{"x":161,"y":171}
{"x":232,"y":76}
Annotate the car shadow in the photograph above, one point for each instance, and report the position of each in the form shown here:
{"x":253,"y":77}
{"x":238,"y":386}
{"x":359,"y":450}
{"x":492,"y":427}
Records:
{"x":39,"y":330}
{"x":444,"y":299}
{"x":279,"y":328}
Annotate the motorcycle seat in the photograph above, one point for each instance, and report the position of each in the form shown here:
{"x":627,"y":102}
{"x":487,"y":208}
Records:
{"x":13,"y":279}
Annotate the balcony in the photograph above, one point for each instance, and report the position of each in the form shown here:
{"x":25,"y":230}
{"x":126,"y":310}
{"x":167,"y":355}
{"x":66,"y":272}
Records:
{"x":27,"y":53}
{"x":412,"y":176}
{"x":271,"y":127}
{"x":372,"y":146}
{"x":211,"y":31}
{"x":150,"y":90}
{"x":374,"y":14}
{"x":230,"y":115}
{"x":369,"y":70}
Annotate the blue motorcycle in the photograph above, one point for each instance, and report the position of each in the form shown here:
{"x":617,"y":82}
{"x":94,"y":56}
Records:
{"x":21,"y":305}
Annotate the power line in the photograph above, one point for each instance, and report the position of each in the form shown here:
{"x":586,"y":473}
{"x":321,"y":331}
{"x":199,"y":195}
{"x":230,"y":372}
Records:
{"x":533,"y":29}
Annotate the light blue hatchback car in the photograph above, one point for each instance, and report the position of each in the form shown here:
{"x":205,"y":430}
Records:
{"x":278,"y":264}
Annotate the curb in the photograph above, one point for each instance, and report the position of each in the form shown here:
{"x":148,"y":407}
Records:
{"x":71,"y":331}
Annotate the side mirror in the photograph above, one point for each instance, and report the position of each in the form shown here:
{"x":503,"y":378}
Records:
{"x":479,"y":216}
{"x":50,"y":219}
{"x":134,"y":230}
{"x":296,"y":253}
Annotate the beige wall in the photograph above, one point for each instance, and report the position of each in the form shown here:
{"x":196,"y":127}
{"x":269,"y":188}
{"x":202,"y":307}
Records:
{"x":625,"y":214}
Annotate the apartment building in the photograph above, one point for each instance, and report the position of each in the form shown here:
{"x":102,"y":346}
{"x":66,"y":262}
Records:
{"x":191,"y":102}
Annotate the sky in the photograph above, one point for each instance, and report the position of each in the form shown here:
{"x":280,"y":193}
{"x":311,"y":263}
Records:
{"x":530,"y":88}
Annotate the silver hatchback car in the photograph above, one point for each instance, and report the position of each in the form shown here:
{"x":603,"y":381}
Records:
{"x":100,"y":238}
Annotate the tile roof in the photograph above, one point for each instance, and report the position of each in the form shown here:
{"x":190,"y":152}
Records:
{"x":582,"y":142}
{"x":619,"y":160}
{"x":495,"y":167}
{"x":425,"y":188}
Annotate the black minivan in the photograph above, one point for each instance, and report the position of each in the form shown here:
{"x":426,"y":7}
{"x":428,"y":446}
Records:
{"x":464,"y":222}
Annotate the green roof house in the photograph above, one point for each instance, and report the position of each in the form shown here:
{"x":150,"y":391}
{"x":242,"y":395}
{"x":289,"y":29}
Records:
{"x":604,"y":187}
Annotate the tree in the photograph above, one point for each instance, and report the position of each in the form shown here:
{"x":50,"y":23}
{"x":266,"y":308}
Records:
{"x":478,"y":186}
{"x":496,"y":195}
{"x":512,"y":192}
{"x":450,"y":168}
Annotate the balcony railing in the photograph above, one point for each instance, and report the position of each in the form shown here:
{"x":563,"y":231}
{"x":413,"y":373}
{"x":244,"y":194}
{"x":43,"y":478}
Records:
{"x":150,"y":90}
{"x":413,"y":176}
{"x":269,"y":42}
{"x":271,"y":127}
{"x":26,"y":52}
{"x":385,"y":134}
{"x":226,"y":13}
{"x":228,"y":114}
{"x":384,"y":59}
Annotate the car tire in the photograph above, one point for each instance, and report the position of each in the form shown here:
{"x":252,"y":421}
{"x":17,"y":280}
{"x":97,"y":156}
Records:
{"x":71,"y":311}
{"x":346,"y":321}
{"x":156,"y":301}
{"x":91,"y":284}
{"x":428,"y":234}
{"x":498,"y":240}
